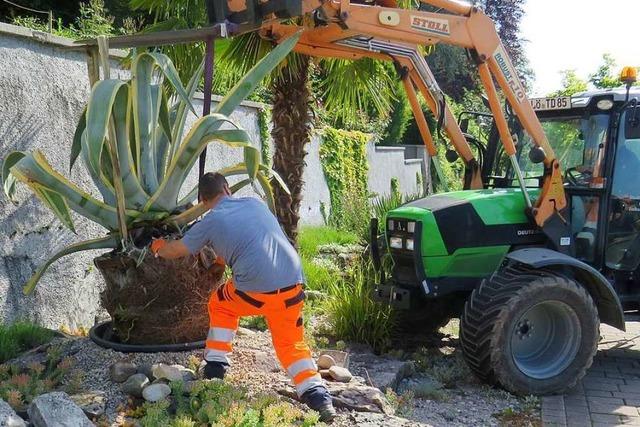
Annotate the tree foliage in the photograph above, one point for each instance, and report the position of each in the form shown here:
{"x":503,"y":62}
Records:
{"x":604,"y":78}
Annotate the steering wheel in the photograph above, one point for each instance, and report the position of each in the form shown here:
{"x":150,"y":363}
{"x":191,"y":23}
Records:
{"x":576,"y":177}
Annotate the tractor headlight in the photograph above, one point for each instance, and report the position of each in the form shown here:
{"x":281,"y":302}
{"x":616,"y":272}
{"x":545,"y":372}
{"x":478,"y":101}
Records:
{"x":605,"y":104}
{"x":390,"y":225}
{"x":395,"y":242}
{"x":409,"y":245}
{"x":411,"y":227}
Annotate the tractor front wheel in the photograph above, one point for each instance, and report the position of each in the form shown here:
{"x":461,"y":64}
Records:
{"x":530,"y":331}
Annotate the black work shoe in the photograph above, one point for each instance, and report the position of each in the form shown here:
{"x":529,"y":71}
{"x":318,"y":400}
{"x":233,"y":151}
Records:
{"x":214,"y":370}
{"x":319,"y":399}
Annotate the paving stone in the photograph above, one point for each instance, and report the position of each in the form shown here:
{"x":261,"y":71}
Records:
{"x":593,"y":385}
{"x":598,"y":393}
{"x":605,"y":400}
{"x":605,"y":418}
{"x":554,"y":421}
{"x":632,"y":402}
{"x":614,"y":409}
{"x":626,"y":395}
{"x":629,"y":388}
{"x":552,"y":413}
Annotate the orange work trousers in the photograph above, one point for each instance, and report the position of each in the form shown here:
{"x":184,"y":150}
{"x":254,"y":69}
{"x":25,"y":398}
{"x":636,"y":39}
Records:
{"x":283,"y":312}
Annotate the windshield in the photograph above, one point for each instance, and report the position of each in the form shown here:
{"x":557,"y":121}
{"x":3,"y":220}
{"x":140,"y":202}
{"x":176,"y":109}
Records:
{"x":578,"y":143}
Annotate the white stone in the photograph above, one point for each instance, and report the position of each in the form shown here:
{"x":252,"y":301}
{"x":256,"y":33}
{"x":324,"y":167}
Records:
{"x":55,"y":410}
{"x":340,"y":374}
{"x":156,"y":392}
{"x":325,"y":361}
{"x":171,"y":373}
{"x":8,"y":417}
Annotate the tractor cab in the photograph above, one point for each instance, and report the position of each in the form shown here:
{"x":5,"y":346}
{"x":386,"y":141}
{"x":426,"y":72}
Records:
{"x":596,"y":137}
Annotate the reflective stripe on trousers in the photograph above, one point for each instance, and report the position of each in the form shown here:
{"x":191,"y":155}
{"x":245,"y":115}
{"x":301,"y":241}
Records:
{"x":218,"y":344}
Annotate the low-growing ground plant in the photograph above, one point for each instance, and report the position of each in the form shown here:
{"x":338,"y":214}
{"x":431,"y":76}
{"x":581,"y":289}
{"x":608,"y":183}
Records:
{"x":222,"y":404}
{"x":447,"y":369}
{"x":258,"y":323}
{"x":21,"y":336}
{"x":20,"y":385}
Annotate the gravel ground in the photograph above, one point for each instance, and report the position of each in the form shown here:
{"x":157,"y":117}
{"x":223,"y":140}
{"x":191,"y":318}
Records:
{"x":254,"y":366}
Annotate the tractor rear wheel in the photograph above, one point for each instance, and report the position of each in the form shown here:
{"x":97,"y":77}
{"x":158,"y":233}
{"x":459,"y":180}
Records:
{"x":530,"y":331}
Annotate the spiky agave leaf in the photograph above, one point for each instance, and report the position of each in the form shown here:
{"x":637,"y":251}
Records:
{"x":9,"y":180}
{"x":110,"y":241}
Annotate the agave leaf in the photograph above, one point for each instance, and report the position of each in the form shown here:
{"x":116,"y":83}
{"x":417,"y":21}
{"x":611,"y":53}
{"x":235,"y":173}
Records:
{"x":141,"y":89}
{"x":187,"y":216}
{"x":8,"y":180}
{"x":205,"y":130}
{"x":35,"y":168}
{"x":170,"y":72}
{"x":55,"y":202}
{"x":252,"y":159}
{"x":275,"y":175}
{"x":134,"y":195}
{"x":110,"y":241}
{"x":103,"y":97}
{"x":249,"y":82}
{"x":181,"y":110}
{"x":76,"y":144}
{"x":268,"y":191}
{"x":239,"y":185}
{"x":104,"y":182}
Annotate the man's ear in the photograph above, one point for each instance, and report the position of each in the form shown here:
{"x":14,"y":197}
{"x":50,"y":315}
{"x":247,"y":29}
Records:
{"x":227,"y":190}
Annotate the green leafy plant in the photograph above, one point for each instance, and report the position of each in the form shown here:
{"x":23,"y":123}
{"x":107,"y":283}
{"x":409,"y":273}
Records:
{"x":354,"y":315}
{"x":132,"y":142}
{"x":20,"y":385}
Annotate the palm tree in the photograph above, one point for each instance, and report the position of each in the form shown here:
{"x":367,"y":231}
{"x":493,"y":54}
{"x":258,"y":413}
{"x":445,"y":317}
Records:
{"x":346,"y":88}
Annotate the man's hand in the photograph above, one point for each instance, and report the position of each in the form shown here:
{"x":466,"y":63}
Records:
{"x":156,"y":245}
{"x":168,"y":249}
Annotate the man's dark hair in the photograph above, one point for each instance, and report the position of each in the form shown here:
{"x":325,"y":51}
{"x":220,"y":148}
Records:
{"x":211,"y":184}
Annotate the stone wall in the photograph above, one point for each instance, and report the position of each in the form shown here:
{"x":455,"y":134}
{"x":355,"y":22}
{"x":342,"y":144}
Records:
{"x":43,"y":87}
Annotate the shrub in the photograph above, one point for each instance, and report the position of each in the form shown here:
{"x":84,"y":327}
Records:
{"x":354,"y":315}
{"x":310,"y":238}
{"x":19,"y":337}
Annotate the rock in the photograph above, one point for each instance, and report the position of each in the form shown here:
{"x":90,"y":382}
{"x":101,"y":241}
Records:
{"x":383,"y":372}
{"x":92,"y":403}
{"x":341,"y":358}
{"x":341,"y":374}
{"x":324,"y":373}
{"x":325,"y":361}
{"x":120,"y":371}
{"x":165,"y":371}
{"x":369,"y":419}
{"x":135,"y":384}
{"x":55,"y":410}
{"x":8,"y":417}
{"x":147,"y":370}
{"x":265,"y":361}
{"x":156,"y":392}
{"x":187,"y":374}
{"x":354,"y":396}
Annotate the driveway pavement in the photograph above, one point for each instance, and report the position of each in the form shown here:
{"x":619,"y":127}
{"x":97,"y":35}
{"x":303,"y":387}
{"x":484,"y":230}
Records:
{"x":610,"y":392}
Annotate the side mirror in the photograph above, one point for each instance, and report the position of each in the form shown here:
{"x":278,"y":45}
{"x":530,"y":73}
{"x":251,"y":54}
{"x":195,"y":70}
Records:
{"x":632,"y":124}
{"x":451,"y":156}
{"x":537,"y":155}
{"x":464,"y":125}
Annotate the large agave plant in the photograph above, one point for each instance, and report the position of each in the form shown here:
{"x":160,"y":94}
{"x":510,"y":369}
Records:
{"x":132,"y":143}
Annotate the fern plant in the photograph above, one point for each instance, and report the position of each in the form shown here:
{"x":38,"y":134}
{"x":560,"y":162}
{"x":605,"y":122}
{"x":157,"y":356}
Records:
{"x":133,"y":145}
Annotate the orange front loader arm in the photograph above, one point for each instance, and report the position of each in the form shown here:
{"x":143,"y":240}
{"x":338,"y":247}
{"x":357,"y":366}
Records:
{"x":339,"y":22}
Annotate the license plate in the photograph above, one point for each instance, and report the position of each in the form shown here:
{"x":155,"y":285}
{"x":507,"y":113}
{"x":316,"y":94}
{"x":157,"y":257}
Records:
{"x":555,"y":103}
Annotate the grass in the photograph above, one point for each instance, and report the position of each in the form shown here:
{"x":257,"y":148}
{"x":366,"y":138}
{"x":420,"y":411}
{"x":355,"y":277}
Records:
{"x":429,"y":390}
{"x":354,"y":315}
{"x":310,"y":238}
{"x":20,"y":337}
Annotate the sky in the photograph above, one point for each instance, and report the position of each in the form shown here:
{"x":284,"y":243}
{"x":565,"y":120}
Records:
{"x":574,"y":34}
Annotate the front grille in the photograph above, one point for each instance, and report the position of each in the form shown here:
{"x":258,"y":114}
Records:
{"x":401,"y":234}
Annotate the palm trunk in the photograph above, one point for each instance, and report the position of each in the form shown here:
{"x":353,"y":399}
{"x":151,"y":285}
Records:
{"x":292,"y":124}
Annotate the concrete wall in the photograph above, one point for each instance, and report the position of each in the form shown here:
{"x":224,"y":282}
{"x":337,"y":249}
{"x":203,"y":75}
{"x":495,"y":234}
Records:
{"x":43,"y":87}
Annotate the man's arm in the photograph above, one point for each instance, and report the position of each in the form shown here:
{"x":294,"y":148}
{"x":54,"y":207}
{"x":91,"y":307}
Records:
{"x":171,"y":249}
{"x":194,"y":240}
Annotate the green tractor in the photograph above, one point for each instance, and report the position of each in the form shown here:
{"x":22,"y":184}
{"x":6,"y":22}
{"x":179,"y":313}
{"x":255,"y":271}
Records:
{"x":530,"y":308}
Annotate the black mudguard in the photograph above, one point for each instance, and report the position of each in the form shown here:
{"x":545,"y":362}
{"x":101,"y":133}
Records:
{"x":603,"y":294}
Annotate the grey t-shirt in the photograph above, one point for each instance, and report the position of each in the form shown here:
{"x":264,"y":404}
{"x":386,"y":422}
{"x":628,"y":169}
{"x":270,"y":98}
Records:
{"x":245,"y":233}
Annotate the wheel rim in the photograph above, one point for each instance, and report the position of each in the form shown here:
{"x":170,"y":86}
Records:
{"x":545,"y":339}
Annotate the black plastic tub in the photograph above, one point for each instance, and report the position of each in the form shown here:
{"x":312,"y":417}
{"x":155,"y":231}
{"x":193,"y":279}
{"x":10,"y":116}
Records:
{"x":104,"y":335}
